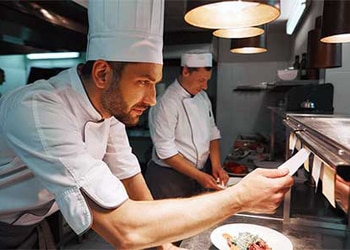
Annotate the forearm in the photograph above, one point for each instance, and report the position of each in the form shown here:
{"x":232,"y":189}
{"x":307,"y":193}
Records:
{"x":215,"y":153}
{"x":184,"y":166}
{"x":136,"y":224}
{"x":142,"y":224}
{"x":136,"y":188}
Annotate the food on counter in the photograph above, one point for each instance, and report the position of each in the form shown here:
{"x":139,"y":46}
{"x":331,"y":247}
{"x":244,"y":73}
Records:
{"x":235,"y":168}
{"x":245,"y":241}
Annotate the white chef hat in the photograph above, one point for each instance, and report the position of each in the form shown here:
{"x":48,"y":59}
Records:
{"x":197,"y":59}
{"x":126,"y":30}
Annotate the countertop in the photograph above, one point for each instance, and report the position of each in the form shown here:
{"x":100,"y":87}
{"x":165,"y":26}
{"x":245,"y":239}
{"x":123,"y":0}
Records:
{"x":302,"y":237}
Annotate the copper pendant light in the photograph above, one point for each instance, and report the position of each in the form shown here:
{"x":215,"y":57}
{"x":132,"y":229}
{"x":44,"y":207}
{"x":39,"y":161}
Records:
{"x":249,"y":45}
{"x":336,"y":21}
{"x":216,"y":14}
{"x":239,"y":32}
{"x":322,"y":55}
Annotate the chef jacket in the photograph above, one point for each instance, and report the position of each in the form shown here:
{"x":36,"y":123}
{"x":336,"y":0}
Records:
{"x":184,"y":124}
{"x":54,"y":146}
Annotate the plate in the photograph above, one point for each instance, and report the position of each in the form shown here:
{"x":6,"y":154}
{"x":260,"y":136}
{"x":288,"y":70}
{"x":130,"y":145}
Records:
{"x":233,"y":181}
{"x":236,"y":175}
{"x":274,"y":239}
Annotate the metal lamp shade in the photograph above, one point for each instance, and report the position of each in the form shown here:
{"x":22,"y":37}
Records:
{"x":336,"y":21}
{"x":216,"y":14}
{"x":249,"y":45}
{"x":238,"y":32}
{"x":322,"y":55}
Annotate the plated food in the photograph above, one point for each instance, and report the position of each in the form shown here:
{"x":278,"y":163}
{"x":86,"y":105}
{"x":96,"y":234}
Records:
{"x":235,"y":168}
{"x":255,"y":236}
{"x":245,"y":241}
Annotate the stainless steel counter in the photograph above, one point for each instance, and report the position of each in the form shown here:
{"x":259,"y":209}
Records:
{"x":302,"y":237}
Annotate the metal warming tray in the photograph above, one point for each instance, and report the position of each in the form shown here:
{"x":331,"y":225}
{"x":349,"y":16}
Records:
{"x":328,"y":136}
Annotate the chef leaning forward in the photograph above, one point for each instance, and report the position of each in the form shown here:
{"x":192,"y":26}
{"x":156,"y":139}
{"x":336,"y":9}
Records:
{"x":63,"y":146}
{"x":184,"y":134}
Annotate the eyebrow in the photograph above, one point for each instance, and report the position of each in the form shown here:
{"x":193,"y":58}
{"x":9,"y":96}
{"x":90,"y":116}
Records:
{"x":153,"y":79}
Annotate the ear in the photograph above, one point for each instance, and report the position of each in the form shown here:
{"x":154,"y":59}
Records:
{"x":185,"y":71}
{"x":100,"y":72}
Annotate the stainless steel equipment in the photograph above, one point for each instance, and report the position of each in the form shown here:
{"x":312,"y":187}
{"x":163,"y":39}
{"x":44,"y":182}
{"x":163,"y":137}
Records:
{"x":328,"y":137}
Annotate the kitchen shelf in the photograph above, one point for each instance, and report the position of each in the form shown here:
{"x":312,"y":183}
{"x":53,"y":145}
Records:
{"x":279,"y":86}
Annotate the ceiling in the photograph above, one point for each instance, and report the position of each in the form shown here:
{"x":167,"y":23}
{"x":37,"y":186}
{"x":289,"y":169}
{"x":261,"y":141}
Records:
{"x":46,"y":26}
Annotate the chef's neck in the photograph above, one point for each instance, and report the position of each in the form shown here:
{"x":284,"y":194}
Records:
{"x":183,"y":84}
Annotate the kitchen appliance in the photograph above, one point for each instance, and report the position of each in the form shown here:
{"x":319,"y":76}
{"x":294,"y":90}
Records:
{"x":327,"y":137}
{"x":310,"y":98}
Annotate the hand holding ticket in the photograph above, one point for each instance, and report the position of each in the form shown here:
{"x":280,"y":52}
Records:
{"x":296,"y":161}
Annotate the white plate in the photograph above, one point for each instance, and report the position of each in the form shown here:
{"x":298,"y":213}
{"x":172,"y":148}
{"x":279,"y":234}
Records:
{"x":237,"y":175}
{"x":233,"y":181}
{"x":274,"y":239}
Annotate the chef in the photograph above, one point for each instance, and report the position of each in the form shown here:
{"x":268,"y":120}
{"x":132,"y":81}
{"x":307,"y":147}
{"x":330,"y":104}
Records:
{"x":63,"y":146}
{"x":184,"y":134}
{"x":63,"y":139}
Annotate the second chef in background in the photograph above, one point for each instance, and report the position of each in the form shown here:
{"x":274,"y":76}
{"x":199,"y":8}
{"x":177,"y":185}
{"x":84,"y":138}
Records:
{"x":184,"y":134}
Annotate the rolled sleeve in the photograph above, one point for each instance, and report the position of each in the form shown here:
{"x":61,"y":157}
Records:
{"x":101,"y":187}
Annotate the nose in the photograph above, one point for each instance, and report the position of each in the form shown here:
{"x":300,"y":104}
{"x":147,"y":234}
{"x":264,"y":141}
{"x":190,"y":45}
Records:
{"x":205,"y":85}
{"x":150,"y":98}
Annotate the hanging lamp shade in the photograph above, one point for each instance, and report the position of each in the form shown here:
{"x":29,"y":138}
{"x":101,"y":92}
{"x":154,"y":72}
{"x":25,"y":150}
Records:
{"x":238,"y":32}
{"x":231,"y":14}
{"x":322,"y":55}
{"x":336,"y":21}
{"x":249,"y":45}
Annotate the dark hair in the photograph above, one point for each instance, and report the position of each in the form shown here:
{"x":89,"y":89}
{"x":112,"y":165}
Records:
{"x":117,"y":67}
{"x":86,"y":69}
{"x":192,"y":69}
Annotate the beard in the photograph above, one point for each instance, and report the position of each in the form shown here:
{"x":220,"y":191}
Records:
{"x":113,"y":101}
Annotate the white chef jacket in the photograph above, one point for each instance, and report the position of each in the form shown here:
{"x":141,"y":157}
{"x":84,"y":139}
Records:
{"x":180,"y":123}
{"x":54,"y":145}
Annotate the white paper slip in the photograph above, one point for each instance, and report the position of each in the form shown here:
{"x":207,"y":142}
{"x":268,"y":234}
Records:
{"x":295,"y":162}
{"x":316,"y":170}
{"x":328,"y":184}
{"x":292,"y":141}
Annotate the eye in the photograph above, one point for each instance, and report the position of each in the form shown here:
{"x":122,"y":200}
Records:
{"x":143,"y":82}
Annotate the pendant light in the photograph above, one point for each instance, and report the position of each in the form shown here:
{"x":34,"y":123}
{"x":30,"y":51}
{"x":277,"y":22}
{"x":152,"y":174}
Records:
{"x":322,"y":55}
{"x":231,"y":14}
{"x":336,"y":21}
{"x":249,"y":45}
{"x":238,"y":32}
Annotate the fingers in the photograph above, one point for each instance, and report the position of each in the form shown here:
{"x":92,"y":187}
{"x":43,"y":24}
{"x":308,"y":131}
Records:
{"x":222,"y":175}
{"x":272,"y":173}
{"x":263,"y":189}
{"x":208,"y":181}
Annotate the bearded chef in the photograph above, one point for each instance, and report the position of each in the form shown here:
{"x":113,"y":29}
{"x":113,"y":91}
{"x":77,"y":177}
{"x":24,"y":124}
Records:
{"x":63,"y":144}
{"x":184,"y":134}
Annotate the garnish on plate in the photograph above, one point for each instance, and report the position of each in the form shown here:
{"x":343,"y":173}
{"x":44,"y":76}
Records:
{"x":245,"y":241}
